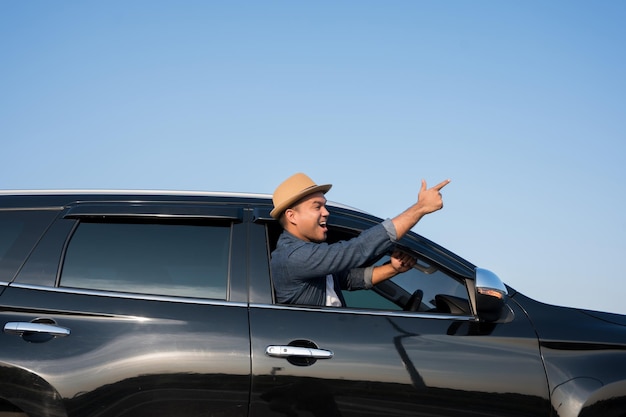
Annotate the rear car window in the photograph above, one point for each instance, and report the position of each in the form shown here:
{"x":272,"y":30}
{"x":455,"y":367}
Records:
{"x":19,"y":232}
{"x":161,"y":259}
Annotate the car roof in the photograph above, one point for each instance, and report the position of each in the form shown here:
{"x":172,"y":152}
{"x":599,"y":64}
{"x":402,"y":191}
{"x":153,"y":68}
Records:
{"x":99,"y":194}
{"x":130,"y":192}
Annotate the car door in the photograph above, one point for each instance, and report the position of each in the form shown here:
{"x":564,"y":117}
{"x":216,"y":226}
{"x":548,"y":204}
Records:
{"x":130,"y":310}
{"x":373,"y":358}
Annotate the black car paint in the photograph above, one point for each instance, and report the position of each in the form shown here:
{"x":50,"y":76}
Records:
{"x":140,"y":355}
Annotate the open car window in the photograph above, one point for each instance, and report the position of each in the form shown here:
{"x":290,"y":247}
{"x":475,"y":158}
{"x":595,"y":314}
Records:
{"x":425,"y":288}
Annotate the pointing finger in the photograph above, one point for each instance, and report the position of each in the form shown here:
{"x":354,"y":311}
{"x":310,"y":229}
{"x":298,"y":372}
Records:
{"x":440,"y":185}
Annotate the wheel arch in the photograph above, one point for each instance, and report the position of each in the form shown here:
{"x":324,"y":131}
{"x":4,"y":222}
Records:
{"x":608,"y":401}
{"x":29,"y":392}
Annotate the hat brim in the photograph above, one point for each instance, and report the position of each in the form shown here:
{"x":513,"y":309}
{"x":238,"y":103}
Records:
{"x":278,"y":210}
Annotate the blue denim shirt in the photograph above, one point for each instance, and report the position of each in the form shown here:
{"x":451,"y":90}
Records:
{"x":299,"y":268}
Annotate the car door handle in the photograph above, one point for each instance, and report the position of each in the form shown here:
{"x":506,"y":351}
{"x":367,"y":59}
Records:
{"x":20,"y":327}
{"x":296,"y":351}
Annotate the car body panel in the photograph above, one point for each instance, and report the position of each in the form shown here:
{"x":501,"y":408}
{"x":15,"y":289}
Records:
{"x":126,"y":357}
{"x":149,"y":353}
{"x":584,"y":355}
{"x":395,"y":364}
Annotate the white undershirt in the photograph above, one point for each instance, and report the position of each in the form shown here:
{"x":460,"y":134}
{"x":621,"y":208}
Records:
{"x":332,"y":300}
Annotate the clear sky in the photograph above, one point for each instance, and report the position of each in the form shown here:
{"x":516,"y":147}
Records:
{"x":522,"y":104}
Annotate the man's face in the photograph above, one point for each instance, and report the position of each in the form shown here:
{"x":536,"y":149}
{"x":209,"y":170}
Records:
{"x":307,"y":219}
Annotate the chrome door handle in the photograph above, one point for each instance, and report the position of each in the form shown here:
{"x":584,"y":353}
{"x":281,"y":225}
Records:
{"x":296,"y":351}
{"x":21,"y":327}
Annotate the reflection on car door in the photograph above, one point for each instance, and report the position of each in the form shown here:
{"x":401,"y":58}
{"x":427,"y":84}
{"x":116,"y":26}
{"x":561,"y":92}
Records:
{"x":127,"y":357}
{"x":395,"y":364}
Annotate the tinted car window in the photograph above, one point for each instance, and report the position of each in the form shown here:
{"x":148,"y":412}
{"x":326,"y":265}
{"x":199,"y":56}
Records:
{"x":425,"y":288}
{"x":433,"y":283}
{"x":19,"y":231}
{"x":435,"y":290}
{"x":10,"y":232}
{"x":162,"y":259}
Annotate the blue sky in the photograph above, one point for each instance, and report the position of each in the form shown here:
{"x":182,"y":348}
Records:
{"x":521,"y":104}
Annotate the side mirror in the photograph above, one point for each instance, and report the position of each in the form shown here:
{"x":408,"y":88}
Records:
{"x":491,"y":295}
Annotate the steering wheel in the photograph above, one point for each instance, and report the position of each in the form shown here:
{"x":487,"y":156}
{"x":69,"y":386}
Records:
{"x":415,"y":301}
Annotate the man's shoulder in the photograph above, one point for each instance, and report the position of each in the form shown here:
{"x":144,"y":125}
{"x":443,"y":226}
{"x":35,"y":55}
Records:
{"x":287,"y":240}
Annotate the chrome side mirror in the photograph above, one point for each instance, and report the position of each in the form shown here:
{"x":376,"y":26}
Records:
{"x":491,"y":295}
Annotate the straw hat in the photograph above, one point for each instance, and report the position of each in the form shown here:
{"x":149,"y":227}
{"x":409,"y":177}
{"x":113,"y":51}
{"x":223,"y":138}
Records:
{"x":293,"y":189}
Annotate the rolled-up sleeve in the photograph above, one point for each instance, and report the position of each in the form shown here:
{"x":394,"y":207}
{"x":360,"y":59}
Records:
{"x":391,"y":230}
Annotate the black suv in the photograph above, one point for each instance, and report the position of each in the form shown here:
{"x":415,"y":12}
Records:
{"x":117,"y":304}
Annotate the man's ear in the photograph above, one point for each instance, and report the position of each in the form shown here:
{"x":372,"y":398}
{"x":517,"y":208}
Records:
{"x":290,"y":215}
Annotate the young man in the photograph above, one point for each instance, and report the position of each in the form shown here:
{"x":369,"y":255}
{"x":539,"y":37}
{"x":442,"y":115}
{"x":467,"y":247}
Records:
{"x":305,"y":270}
